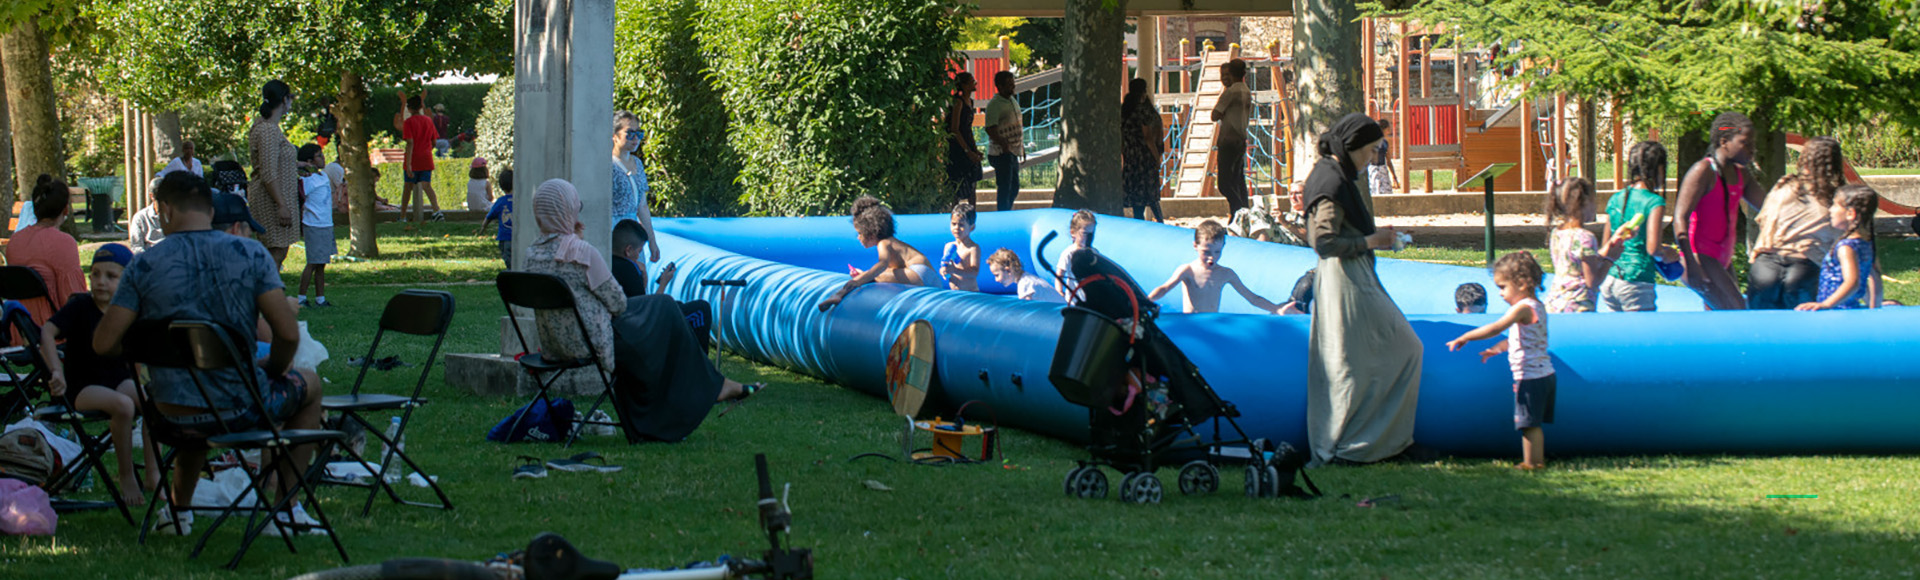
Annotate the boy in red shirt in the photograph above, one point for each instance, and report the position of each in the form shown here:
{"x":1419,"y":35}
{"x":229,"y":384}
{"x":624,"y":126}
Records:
{"x":417,"y":167}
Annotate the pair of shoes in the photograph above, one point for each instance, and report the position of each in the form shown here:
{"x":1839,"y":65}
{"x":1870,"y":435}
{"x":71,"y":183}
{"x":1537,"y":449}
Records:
{"x":302,"y":301}
{"x":533,"y":469}
{"x":582,"y":462}
{"x":439,"y":216}
{"x":599,"y":423}
{"x":319,"y":303}
{"x":745,"y":391}
{"x":180,"y":524}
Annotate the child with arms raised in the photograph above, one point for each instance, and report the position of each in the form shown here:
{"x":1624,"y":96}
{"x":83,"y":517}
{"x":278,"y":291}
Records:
{"x":1847,"y":276}
{"x":1518,"y":277}
{"x":1204,"y":279}
{"x":960,"y":261}
{"x":899,"y":263}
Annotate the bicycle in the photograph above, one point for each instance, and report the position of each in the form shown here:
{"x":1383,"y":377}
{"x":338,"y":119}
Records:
{"x":551,"y":557}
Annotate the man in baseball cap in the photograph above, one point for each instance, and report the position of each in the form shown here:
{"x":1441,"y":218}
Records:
{"x":230,"y":214}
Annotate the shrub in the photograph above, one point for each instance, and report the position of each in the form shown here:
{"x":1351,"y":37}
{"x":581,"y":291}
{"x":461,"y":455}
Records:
{"x":493,"y":137}
{"x":833,"y":99}
{"x":661,"y":75}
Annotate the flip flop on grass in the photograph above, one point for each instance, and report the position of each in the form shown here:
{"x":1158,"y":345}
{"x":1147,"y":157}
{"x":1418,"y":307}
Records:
{"x":583,"y":462}
{"x":532,"y":470}
{"x":745,"y":391}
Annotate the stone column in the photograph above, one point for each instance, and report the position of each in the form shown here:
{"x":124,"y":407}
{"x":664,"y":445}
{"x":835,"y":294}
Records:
{"x":1147,"y":35}
{"x":563,"y":111}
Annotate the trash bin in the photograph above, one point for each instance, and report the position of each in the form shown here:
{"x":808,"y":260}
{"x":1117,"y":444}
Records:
{"x":1090,"y":358}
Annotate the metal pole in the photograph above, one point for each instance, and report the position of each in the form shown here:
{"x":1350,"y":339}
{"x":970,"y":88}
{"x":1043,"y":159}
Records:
{"x":1488,"y":206}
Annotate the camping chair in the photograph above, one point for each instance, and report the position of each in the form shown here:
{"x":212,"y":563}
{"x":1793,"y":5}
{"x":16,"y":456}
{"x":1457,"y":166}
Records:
{"x":547,"y":292}
{"x":20,"y":284}
{"x":203,"y":347}
{"x":93,"y":448}
{"x":425,"y":313}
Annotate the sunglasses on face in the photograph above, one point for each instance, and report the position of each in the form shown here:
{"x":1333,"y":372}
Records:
{"x":635,"y":134}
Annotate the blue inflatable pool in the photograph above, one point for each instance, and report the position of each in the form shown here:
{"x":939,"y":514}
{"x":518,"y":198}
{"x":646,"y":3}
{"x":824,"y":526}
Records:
{"x":1677,"y":381}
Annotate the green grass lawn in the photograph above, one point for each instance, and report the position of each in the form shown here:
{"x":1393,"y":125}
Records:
{"x":1594,"y":517}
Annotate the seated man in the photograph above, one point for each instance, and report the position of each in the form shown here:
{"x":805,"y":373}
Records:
{"x":201,"y":274}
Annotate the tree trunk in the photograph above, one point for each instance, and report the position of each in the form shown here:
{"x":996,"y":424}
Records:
{"x":166,"y":136}
{"x":36,"y":127}
{"x":1327,"y":67}
{"x":352,"y":154}
{"x":1090,"y":106}
{"x":6,"y":157}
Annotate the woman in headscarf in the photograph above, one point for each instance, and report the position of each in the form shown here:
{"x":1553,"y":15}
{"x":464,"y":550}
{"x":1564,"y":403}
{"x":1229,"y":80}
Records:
{"x":664,"y":383}
{"x":1363,"y":364}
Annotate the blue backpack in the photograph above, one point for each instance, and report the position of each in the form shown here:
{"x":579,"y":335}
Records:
{"x":541,"y":423}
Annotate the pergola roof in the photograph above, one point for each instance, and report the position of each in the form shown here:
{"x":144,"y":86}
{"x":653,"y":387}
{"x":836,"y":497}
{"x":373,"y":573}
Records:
{"x":1058,"y":8}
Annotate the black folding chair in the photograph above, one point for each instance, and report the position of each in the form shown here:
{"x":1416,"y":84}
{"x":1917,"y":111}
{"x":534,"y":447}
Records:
{"x":425,"y":313}
{"x":28,"y":380}
{"x":547,"y":292}
{"x":93,"y":447}
{"x":202,"y":348}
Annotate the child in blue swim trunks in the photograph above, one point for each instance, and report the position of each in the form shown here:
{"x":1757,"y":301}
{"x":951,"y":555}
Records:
{"x":899,"y":263}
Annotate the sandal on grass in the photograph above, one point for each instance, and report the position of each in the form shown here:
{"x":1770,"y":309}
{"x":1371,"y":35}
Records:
{"x":745,"y":391}
{"x":533,"y":469}
{"x":583,"y":462}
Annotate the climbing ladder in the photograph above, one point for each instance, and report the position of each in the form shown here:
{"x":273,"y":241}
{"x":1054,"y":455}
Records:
{"x":1197,"y":163}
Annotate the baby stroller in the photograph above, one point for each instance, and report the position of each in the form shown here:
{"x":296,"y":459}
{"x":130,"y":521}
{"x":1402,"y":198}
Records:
{"x":1145,"y":399}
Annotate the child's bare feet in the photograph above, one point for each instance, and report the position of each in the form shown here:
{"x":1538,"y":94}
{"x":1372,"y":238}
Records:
{"x":1523,"y":466}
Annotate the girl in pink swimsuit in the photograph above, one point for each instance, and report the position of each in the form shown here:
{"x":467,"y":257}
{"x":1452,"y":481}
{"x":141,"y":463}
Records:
{"x":1708,"y":206}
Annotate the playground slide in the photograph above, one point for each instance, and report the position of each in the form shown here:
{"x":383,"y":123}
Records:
{"x":1678,"y":381}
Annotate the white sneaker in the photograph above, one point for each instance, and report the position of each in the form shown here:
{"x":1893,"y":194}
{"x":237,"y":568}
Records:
{"x":299,"y":523}
{"x":170,"y":523}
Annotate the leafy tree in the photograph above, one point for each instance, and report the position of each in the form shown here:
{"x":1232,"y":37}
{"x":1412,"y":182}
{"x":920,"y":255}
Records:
{"x":985,"y":33}
{"x":226,"y":48}
{"x":30,"y":28}
{"x":661,"y":74}
{"x":1788,"y":64}
{"x":1090,"y":122}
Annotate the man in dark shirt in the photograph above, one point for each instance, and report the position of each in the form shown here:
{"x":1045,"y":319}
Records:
{"x":629,"y":239}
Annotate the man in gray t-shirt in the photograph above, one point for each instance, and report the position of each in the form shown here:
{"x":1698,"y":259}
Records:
{"x":198,"y":273}
{"x":1231,"y":112}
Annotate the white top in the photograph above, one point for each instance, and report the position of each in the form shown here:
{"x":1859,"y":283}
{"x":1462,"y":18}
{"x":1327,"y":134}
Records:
{"x":477,"y":195}
{"x":1236,"y":102}
{"x":1527,"y":345}
{"x":337,"y":175}
{"x":1067,"y":280}
{"x":1003,"y":113}
{"x":318,"y":209}
{"x":1032,"y":287}
{"x":26,"y":216}
{"x":143,"y":230}
{"x":197,"y":168}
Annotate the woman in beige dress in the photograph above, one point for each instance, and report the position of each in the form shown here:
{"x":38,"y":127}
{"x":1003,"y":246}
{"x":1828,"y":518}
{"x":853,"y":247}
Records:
{"x":272,"y":195}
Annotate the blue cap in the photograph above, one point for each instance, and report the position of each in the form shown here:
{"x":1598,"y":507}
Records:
{"x":115,"y":253}
{"x":229,"y":209}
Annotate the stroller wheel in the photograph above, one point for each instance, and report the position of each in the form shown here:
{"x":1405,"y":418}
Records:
{"x":1141,"y":487}
{"x":1254,"y":486}
{"x":1269,"y":481}
{"x":1198,"y":477}
{"x":1087,"y":482}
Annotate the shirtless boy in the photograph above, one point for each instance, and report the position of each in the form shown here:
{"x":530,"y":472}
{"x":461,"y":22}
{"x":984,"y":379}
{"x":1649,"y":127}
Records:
{"x":1204,"y":278}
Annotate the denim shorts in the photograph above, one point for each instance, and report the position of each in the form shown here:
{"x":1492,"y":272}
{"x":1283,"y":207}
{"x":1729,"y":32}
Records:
{"x":284,"y":395}
{"x":418,"y":176}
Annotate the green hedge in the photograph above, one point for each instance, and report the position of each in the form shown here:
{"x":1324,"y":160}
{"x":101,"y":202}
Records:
{"x":494,"y":131}
{"x":661,"y":75}
{"x":463,"y":101}
{"x":832,"y":99}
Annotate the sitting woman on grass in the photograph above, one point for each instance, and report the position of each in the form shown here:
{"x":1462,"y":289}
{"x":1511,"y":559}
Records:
{"x":662,"y":377}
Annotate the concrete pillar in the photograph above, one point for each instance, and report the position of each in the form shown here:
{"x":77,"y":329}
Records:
{"x":1147,"y":34}
{"x":563,"y":116}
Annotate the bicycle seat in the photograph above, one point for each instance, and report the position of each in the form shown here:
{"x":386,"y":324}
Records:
{"x":551,"y":557}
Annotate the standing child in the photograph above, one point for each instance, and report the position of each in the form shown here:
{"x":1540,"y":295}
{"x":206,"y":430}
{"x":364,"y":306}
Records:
{"x":316,"y":223}
{"x":1203,"y":280}
{"x":1629,"y":285}
{"x":1081,"y":230}
{"x":960,"y":260}
{"x":89,"y":382}
{"x":898,"y":262}
{"x":479,"y":192}
{"x":1518,"y":277}
{"x":1578,"y":262}
{"x":1006,"y":269}
{"x":1847,"y":276}
{"x":1381,"y":179}
{"x":502,"y":211}
{"x":1470,"y":298}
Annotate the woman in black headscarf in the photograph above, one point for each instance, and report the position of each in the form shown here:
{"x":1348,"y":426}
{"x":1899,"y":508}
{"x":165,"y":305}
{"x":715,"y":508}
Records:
{"x":1363,"y":365}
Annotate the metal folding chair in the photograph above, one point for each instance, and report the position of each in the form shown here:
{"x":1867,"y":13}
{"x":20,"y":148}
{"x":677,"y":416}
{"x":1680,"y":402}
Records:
{"x":204,"y":347}
{"x":20,"y":284}
{"x":424,"y":313}
{"x":547,"y":292}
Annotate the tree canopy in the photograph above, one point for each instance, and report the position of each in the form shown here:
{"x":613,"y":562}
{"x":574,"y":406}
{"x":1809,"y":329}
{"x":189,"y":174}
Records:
{"x":1678,"y":61}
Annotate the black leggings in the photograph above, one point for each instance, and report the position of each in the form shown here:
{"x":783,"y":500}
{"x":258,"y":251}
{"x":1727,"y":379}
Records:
{"x":1776,"y":282}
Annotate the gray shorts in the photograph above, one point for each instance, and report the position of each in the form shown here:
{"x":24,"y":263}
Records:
{"x":319,"y":242}
{"x":1623,"y":296}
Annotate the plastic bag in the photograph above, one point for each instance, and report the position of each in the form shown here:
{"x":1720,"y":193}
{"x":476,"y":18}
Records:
{"x":219,"y":491}
{"x":311,"y":352}
{"x":25,"y":510}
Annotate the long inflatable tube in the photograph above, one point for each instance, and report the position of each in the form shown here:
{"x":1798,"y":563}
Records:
{"x":1667,"y":382}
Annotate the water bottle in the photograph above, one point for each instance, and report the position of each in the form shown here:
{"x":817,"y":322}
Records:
{"x":386,"y":456}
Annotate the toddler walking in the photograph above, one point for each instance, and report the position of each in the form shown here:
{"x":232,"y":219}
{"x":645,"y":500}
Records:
{"x":1518,"y":277}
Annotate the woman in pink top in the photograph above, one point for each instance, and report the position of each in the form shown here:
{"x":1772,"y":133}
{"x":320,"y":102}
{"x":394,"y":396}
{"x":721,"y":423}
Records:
{"x":50,"y":252}
{"x":1708,"y":209}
